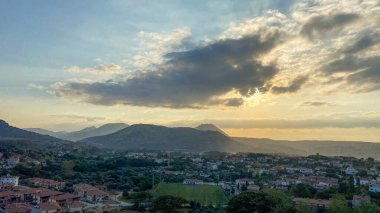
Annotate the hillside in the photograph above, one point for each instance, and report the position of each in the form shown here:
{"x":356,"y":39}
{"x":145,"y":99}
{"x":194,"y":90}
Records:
{"x":209,"y":127}
{"x":95,"y":131}
{"x":10,"y":132}
{"x":152,"y":137}
{"x":47,"y":132}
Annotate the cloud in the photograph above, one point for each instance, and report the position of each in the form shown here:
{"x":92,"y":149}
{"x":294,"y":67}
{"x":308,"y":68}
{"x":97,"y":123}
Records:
{"x":293,"y":86}
{"x":99,"y":69}
{"x":37,"y":86}
{"x":339,"y":55}
{"x":153,"y":46}
{"x":364,"y":41}
{"x":195,"y":78}
{"x":77,"y":118}
{"x":359,"y":74}
{"x":317,"y":104}
{"x":322,"y":24}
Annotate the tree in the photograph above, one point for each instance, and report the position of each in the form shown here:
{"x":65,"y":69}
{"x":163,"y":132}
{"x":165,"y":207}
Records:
{"x":303,"y":208}
{"x":248,"y":202}
{"x":125,"y":193}
{"x":338,"y":204}
{"x":282,"y":201}
{"x":325,"y":193}
{"x":367,"y":208}
{"x":303,"y":190}
{"x":167,"y":204}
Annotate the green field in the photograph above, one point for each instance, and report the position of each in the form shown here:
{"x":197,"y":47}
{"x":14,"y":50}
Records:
{"x":203,"y":194}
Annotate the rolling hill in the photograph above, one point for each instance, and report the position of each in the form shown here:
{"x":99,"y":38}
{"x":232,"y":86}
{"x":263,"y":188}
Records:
{"x":159,"y":138}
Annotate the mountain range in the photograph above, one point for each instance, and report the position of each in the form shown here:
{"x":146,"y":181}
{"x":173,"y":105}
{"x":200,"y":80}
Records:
{"x":205,"y":137}
{"x":83,"y":133}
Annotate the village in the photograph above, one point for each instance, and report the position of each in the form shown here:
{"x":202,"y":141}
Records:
{"x":309,"y":181}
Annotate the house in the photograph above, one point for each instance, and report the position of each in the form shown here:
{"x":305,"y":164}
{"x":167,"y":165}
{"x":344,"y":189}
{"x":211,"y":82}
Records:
{"x":212,"y":166}
{"x":314,"y":203}
{"x":76,"y":206}
{"x":363,"y":181}
{"x":319,"y":182}
{"x":18,"y":208}
{"x":65,"y":199}
{"x":46,"y":195}
{"x":30,"y":195}
{"x":192,"y":182}
{"x":49,"y":207}
{"x":8,"y":197}
{"x":243,"y":182}
{"x":374,"y":187}
{"x":358,"y":199}
{"x":6,"y":187}
{"x":254,"y":188}
{"x":281,"y":185}
{"x":45,"y":183}
{"x":9,"y":179}
{"x":97,"y":196}
{"x":351,"y":171}
{"x":90,"y":193}
{"x":13,"y":161}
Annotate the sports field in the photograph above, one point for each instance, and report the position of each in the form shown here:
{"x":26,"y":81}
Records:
{"x":203,"y":194}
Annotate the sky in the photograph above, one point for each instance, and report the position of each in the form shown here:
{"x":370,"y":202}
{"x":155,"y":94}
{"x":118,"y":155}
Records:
{"x":280,"y":69}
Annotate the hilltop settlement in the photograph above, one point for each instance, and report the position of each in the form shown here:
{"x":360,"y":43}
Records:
{"x":207,"y":182}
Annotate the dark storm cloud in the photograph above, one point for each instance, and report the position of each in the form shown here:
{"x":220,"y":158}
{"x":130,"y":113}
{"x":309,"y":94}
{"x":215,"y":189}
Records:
{"x":362,"y":73}
{"x":364,"y":41}
{"x":293,"y":87}
{"x":319,"y":25}
{"x":190,"y":79}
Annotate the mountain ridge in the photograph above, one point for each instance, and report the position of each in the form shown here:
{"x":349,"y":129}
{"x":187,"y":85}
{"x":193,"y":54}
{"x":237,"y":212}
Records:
{"x":154,"y":137}
{"x":83,"y":133}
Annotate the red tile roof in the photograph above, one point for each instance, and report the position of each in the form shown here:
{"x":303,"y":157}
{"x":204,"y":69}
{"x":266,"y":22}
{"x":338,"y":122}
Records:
{"x":31,"y":191}
{"x":7,"y":193}
{"x":48,"y":193}
{"x":17,"y":208}
{"x":66,"y":196}
{"x":49,"y":206}
{"x":77,"y":204}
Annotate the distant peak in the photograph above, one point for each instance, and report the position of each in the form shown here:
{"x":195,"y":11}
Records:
{"x":3,"y":123}
{"x":206,"y":125}
{"x":209,"y":127}
{"x":113,"y":124}
{"x":88,"y":128}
